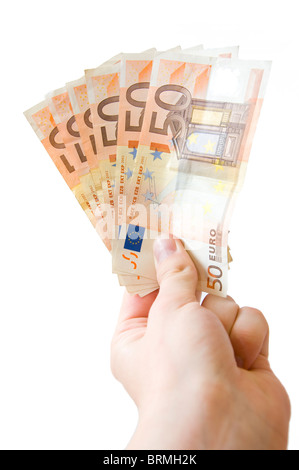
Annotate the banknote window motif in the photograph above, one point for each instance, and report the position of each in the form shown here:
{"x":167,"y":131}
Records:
{"x":213,"y":131}
{"x":204,"y":143}
{"x":208,"y":117}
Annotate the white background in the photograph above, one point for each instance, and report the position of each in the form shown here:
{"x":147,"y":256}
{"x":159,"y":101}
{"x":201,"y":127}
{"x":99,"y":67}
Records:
{"x":59,"y":300}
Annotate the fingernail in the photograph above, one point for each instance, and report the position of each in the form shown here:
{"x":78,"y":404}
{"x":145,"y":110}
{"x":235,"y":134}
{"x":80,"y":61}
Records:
{"x":239,"y":361}
{"x":163,"y":248}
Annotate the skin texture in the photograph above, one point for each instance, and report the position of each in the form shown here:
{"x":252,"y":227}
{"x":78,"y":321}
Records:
{"x":198,"y":373}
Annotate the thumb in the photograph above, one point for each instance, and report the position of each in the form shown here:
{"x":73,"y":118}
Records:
{"x":176,"y":273}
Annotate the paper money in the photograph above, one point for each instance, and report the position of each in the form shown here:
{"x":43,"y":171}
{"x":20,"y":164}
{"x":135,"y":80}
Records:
{"x":157,"y":144}
{"x":77,"y":91}
{"x":44,"y":125}
{"x":135,"y":78}
{"x":155,"y":172}
{"x":224,"y":52}
{"x":62,"y":111}
{"x":103,"y":95}
{"x":78,"y":95}
{"x":213,"y":160}
{"x":71,"y":108}
{"x":195,"y":142}
{"x":135,"y":74}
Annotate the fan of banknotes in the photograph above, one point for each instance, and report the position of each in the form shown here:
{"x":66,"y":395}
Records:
{"x":156,"y":144}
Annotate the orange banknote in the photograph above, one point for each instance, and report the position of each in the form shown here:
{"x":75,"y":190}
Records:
{"x":68,"y":162}
{"x":157,"y":144}
{"x":196,"y":136}
{"x":103,"y":96}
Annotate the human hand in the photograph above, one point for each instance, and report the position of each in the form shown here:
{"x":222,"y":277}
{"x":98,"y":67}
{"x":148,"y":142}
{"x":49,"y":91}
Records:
{"x":199,"y":374}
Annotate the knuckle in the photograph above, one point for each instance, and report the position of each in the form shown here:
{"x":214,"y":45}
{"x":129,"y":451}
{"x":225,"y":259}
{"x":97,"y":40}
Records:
{"x":179,"y":270}
{"x":259,"y":317}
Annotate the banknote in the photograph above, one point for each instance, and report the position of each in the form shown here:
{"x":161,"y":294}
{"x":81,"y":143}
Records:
{"x":135,"y":74}
{"x":213,"y":162}
{"x":77,"y":91}
{"x":71,"y":168}
{"x":230,"y":52}
{"x":134,"y":84}
{"x":103,"y":96}
{"x":198,"y":127}
{"x":131,"y":282}
{"x":62,"y":111}
{"x":154,"y":176}
{"x":156,"y":144}
{"x":78,"y":95}
{"x":69,"y":164}
{"x":141,"y":293}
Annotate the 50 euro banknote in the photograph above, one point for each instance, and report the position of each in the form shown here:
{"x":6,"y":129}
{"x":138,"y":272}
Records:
{"x":77,"y":91}
{"x":198,"y":125}
{"x":134,"y":81}
{"x":135,"y":75}
{"x":103,"y":91}
{"x":81,"y":106}
{"x":103,"y":95}
{"x":68,"y":159}
{"x":62,"y":110}
{"x":78,"y":95}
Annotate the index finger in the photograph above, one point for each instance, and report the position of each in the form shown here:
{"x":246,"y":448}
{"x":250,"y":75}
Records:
{"x":134,"y":306}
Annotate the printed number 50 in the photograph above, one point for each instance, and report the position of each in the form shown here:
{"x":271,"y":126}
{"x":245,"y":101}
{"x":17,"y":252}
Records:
{"x":211,"y":283}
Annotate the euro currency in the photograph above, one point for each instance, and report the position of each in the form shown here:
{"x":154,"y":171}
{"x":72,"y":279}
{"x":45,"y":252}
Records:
{"x":129,"y":65}
{"x":213,"y":162}
{"x":103,"y":93}
{"x":78,"y":95}
{"x":103,"y":96}
{"x":153,"y":181}
{"x":135,"y":76}
{"x":141,"y":293}
{"x":156,"y":144}
{"x":224,"y":52}
{"x":135,"y":72}
{"x":77,"y":91}
{"x":62,"y":111}
{"x":136,"y":283}
{"x":69,"y":164}
{"x":208,"y":111}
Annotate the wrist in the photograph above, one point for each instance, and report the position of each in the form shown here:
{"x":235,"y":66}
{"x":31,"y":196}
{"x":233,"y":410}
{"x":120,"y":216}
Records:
{"x":167,"y":424}
{"x":185,"y":421}
{"x":159,"y":429}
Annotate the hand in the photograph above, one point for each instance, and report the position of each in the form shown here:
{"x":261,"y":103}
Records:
{"x":199,"y":374}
